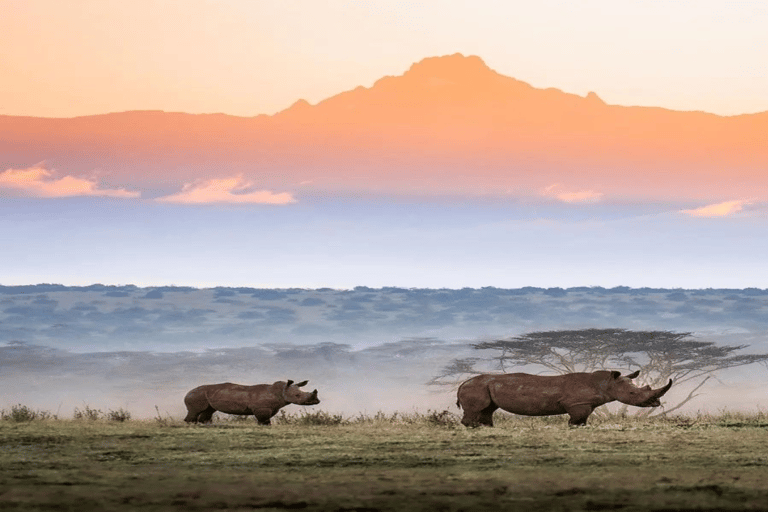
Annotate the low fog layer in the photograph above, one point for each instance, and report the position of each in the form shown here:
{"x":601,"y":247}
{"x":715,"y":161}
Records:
{"x":365,"y":349}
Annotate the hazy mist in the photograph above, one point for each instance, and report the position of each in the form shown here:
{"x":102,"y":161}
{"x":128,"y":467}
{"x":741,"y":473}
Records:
{"x":364,"y":349}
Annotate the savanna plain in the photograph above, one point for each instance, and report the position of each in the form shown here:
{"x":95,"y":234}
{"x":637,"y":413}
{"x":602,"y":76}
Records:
{"x":410,"y":461}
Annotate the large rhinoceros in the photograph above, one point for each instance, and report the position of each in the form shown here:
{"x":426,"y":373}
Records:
{"x":261,"y":400}
{"x":576,"y":394}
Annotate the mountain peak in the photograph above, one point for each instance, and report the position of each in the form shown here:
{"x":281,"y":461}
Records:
{"x":451,"y":67}
{"x":299,"y":107}
{"x":594,"y":98}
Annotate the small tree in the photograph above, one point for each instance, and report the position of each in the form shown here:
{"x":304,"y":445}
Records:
{"x":659,"y":355}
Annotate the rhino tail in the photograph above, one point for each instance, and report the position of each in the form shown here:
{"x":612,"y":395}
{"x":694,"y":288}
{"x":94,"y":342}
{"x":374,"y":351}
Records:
{"x":458,"y":393}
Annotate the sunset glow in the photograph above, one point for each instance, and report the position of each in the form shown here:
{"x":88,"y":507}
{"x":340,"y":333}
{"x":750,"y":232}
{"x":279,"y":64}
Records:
{"x":427,"y":144}
{"x":247,"y":58}
{"x":39,"y":182}
{"x":723,"y":209}
{"x":228,"y":190}
{"x":581,"y":196}
{"x":356,"y":196}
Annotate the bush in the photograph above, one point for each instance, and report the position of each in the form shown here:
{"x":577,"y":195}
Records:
{"x":120,"y":415}
{"x":163,"y":422}
{"x":20,"y":413}
{"x":88,"y":414}
{"x":442,"y":419}
{"x":320,"y":418}
{"x":310,"y":418}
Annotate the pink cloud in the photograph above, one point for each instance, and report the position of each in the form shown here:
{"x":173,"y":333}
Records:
{"x":39,"y":182}
{"x":581,"y":196}
{"x":235,"y":189}
{"x":723,"y":209}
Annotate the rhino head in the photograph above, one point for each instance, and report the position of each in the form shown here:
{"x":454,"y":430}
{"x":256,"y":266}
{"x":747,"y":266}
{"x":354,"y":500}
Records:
{"x":622,"y":389}
{"x":293,"y":395}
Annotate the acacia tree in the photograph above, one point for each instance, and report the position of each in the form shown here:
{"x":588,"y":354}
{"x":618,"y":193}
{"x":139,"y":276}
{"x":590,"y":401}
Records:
{"x":659,"y":355}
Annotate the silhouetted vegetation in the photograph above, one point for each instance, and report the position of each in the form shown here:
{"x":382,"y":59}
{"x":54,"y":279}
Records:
{"x":659,"y":355}
{"x":87,"y":413}
{"x":21,"y":413}
{"x":120,"y":415}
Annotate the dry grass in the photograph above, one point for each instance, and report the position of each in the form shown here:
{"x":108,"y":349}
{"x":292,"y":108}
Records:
{"x":323,"y":461}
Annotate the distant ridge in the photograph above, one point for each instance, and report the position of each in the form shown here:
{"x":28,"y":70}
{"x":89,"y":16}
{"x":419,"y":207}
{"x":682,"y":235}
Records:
{"x":105,"y":288}
{"x":447,"y":125}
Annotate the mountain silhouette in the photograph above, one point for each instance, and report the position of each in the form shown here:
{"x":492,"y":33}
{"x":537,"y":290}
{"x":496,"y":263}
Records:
{"x":448,"y":125}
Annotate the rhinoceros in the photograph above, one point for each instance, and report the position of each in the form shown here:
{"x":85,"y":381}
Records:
{"x":576,"y":394}
{"x":261,"y":400}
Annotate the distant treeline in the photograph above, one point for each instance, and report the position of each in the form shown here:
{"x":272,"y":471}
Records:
{"x":276,"y":293}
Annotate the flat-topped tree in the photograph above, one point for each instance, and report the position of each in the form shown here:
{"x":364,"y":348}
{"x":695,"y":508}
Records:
{"x":659,"y":355}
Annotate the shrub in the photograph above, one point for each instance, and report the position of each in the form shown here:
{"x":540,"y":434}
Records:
{"x":310,"y":418}
{"x":88,"y":414}
{"x":120,"y":415}
{"x":442,"y":419}
{"x":20,"y":413}
{"x":163,"y":422}
{"x":320,"y":418}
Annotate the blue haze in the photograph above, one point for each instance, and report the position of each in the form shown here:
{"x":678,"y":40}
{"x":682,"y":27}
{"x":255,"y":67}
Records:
{"x":343,"y":242}
{"x":368,"y":297}
{"x":365,"y":348}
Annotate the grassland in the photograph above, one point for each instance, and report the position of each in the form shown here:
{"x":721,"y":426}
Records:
{"x":386,"y":462}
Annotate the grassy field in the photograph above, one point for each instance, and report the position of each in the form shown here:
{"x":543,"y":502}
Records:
{"x":387,"y":462}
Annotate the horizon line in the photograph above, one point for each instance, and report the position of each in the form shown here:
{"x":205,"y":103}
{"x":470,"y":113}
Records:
{"x":304,"y":102}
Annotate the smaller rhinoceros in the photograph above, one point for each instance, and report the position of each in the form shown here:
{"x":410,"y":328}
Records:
{"x":576,"y":394}
{"x":262,"y":400}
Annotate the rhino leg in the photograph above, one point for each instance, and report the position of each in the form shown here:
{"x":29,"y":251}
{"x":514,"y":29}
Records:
{"x":206,"y":415}
{"x":578,"y":414}
{"x":474,"y":418}
{"x":198,"y":408}
{"x":263,"y":416}
{"x":486,"y":415}
{"x":471,"y":419}
{"x":476,"y":401}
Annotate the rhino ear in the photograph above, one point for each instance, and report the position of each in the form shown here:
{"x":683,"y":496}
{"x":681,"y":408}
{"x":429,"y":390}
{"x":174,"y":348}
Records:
{"x":633,"y":375}
{"x":288,"y":383}
{"x":303,"y":383}
{"x":615,"y":374}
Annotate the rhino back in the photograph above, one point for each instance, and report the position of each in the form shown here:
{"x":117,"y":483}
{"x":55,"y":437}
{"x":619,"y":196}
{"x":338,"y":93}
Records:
{"x":554,"y":394}
{"x":238,"y":399}
{"x":531,"y":395}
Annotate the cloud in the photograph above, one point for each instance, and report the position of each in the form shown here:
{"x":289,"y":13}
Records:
{"x":581,"y":196}
{"x":719,"y":209}
{"x":39,"y":182}
{"x":226,"y":190}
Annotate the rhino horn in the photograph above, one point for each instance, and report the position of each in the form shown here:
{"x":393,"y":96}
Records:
{"x":633,"y":374}
{"x":302,"y":383}
{"x":660,"y":392}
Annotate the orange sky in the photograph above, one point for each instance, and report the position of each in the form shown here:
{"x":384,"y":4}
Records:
{"x":447,"y":125}
{"x":245,"y":58}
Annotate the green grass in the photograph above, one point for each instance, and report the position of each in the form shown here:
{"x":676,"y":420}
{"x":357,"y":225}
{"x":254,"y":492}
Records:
{"x":322,"y":461}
